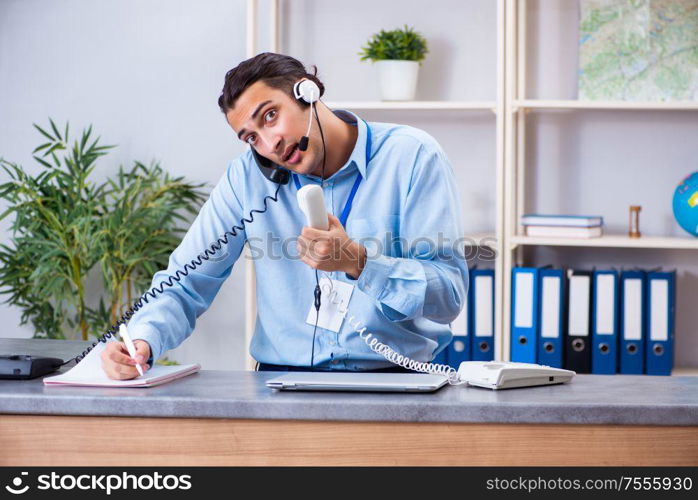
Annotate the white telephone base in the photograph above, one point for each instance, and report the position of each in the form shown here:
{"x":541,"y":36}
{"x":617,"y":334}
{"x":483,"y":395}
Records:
{"x":507,"y":375}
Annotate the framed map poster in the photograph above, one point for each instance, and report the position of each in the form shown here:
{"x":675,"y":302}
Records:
{"x":638,"y":50}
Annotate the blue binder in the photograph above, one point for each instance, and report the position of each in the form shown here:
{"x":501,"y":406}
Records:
{"x":604,"y":323}
{"x":481,"y":315}
{"x":550,"y":317}
{"x":659,"y":349}
{"x":524,"y":317}
{"x":632,"y":322}
{"x":442,"y":357}
{"x":459,"y":348}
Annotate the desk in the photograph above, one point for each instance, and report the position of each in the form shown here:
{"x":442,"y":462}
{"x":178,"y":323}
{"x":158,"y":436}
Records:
{"x":232,"y":418}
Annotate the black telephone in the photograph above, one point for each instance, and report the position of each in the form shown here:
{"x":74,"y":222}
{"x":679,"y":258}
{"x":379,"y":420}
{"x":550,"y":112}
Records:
{"x":23,"y":366}
{"x":271,"y":170}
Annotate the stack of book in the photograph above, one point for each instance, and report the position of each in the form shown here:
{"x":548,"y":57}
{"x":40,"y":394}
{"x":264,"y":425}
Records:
{"x":563,"y":226}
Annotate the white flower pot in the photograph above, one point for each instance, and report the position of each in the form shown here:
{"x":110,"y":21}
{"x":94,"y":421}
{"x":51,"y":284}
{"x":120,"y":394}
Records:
{"x":398,"y":79}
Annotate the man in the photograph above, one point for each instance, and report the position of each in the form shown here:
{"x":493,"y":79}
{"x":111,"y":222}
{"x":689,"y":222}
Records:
{"x":396,"y":263}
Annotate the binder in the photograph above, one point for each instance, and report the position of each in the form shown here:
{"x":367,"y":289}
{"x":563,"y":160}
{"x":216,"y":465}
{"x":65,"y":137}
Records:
{"x":551,"y":317}
{"x":442,"y":357}
{"x":459,"y":348}
{"x":604,"y":323}
{"x":659,"y":349}
{"x":632,"y":322}
{"x":524,"y":317}
{"x":577,"y":340}
{"x":482,"y":314}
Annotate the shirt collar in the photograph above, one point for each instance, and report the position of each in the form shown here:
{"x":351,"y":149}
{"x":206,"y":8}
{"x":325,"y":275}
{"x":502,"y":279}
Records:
{"x":358,"y":154}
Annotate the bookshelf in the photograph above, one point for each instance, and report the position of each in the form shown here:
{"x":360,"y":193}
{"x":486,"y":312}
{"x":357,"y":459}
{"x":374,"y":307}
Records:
{"x":609,"y":241}
{"x":517,"y":107}
{"x":510,"y":110}
{"x":541,"y":104}
{"x":415,"y":105}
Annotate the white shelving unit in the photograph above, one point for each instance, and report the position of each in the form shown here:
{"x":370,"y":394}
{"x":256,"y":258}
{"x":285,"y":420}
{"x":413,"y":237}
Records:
{"x":494,"y":240}
{"x":516,"y":108}
{"x":510,"y":109}
{"x":612,"y":105}
{"x":416,"y":105}
{"x":609,"y":241}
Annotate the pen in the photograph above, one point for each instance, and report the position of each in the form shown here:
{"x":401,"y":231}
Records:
{"x":123,"y":333}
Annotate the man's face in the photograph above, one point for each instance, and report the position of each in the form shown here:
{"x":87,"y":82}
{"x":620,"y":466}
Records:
{"x":273,"y":123}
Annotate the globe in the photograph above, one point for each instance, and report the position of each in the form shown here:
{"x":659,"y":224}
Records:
{"x":686,"y":204}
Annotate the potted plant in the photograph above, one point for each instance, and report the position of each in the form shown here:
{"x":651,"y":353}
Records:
{"x":66,"y":228}
{"x":397,"y":55}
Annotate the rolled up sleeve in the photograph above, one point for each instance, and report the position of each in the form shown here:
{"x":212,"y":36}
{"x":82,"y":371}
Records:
{"x":168,"y":318}
{"x":430,"y":280}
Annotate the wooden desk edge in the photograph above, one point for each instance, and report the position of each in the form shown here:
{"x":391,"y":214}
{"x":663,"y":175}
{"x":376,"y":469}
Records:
{"x":45,"y":440}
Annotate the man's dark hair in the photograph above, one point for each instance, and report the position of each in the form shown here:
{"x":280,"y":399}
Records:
{"x":276,"y":70}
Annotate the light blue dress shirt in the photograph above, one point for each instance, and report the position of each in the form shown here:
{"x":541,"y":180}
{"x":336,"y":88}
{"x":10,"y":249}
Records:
{"x":406,"y":212}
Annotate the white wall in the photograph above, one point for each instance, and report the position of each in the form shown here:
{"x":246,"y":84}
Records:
{"x":147,"y":75}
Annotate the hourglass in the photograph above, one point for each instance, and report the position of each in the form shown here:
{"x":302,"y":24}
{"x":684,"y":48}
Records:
{"x":634,"y":221}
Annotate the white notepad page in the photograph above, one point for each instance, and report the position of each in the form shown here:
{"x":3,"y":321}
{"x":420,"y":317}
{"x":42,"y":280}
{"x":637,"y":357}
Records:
{"x":89,"y":372}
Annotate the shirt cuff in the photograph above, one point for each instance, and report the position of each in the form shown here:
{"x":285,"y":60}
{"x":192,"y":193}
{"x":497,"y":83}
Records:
{"x":151,"y":336}
{"x":375,"y":275}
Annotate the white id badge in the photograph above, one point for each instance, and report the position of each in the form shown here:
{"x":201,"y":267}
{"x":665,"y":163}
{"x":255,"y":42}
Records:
{"x":334,"y":298}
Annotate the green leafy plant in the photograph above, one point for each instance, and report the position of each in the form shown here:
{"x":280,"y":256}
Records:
{"x":65,"y":226}
{"x":402,"y":44}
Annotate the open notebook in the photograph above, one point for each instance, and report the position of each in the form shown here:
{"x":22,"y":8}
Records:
{"x":88,"y":372}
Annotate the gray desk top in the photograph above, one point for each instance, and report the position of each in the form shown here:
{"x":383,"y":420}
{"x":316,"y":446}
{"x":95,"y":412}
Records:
{"x":588,"y":399}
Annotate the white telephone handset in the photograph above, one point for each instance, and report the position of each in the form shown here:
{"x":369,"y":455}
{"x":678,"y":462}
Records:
{"x":312,"y":203}
{"x":489,"y":374}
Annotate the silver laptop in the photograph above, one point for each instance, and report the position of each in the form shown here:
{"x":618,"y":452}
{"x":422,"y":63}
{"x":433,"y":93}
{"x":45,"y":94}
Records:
{"x":357,"y":381}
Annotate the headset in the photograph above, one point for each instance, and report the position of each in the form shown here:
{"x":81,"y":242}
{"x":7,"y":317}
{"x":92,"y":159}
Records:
{"x":308,"y":92}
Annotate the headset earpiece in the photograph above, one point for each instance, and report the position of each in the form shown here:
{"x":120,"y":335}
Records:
{"x":306,"y":91}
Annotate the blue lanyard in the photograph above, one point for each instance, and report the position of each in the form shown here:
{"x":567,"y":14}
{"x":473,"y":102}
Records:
{"x":347,"y":207}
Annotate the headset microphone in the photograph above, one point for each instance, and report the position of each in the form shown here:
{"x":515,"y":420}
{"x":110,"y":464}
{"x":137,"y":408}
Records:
{"x":306,"y":91}
{"x":303,"y":144}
